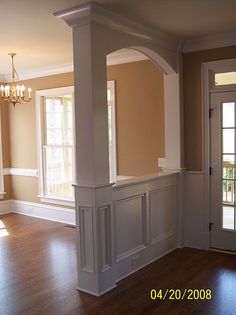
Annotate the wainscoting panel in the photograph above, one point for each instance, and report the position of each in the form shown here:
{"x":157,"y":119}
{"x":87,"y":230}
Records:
{"x":86,"y":238}
{"x":145,"y":219}
{"x":130,"y":226}
{"x":196,"y":211}
{"x":104,"y":222}
{"x":162,"y":216}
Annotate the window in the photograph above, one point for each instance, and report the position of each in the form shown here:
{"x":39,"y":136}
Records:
{"x":225,"y":78}
{"x":55,"y":130}
{"x":56,"y":145}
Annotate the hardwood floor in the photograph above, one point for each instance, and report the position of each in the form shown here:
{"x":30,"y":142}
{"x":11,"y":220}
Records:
{"x":38,"y":276}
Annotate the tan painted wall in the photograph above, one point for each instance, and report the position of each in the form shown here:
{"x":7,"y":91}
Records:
{"x":139,"y":115}
{"x":193,"y":119}
{"x":140,"y":125}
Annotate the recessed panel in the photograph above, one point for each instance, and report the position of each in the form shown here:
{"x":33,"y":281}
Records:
{"x":130,"y":223}
{"x":161,"y":212}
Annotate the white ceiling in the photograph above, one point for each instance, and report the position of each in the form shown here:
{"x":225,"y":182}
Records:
{"x":43,"y":42}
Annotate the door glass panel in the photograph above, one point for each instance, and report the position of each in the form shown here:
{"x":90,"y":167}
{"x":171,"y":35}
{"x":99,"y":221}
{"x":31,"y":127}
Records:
{"x":228,"y":218}
{"x":228,"y":165}
{"x":228,"y":115}
{"x":228,"y":140}
{"x":228,"y":191}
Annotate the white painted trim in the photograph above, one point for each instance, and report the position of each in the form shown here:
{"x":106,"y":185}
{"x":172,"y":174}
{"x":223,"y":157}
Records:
{"x":20,"y":171}
{"x":202,"y":43}
{"x":146,"y":264}
{"x":87,"y":252}
{"x":5,"y":207}
{"x":38,"y":210}
{"x":96,"y":294}
{"x":55,"y":91}
{"x":104,"y":227}
{"x":207,"y":69}
{"x":123,"y":177}
{"x":39,"y":129}
{"x":1,"y":163}
{"x":91,"y":11}
{"x":144,"y":244}
{"x":209,"y":42}
{"x":125,"y":56}
{"x":144,"y":178}
{"x":112,"y":157}
{"x":62,"y":202}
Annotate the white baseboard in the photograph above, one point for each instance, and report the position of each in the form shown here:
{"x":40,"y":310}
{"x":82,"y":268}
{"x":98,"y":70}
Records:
{"x":96,"y":294}
{"x":146,"y":264}
{"x":5,"y":206}
{"x":38,"y":210}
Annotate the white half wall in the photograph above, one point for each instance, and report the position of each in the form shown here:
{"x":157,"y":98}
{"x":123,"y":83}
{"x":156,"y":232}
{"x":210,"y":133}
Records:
{"x":145,"y":222}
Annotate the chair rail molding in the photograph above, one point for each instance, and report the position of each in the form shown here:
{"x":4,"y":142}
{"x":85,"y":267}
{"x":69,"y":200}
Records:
{"x":16,"y":171}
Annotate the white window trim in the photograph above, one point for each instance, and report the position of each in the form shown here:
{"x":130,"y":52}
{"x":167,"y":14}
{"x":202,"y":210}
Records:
{"x":39,"y":128}
{"x":113,"y":169}
{"x":2,"y":193}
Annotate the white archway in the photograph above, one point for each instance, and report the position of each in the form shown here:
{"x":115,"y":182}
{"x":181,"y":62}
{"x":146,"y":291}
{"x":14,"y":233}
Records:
{"x":96,"y":33}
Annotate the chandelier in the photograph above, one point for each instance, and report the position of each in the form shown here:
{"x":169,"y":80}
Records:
{"x":12,"y":92}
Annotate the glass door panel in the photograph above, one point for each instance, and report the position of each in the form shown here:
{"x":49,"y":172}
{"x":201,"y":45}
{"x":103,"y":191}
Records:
{"x":228,"y":165}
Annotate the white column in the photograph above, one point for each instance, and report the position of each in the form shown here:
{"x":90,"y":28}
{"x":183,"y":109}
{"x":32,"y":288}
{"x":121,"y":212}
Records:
{"x":172,"y":121}
{"x":93,"y":192}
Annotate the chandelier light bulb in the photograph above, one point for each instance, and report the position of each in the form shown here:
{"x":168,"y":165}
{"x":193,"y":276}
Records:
{"x":15,"y":93}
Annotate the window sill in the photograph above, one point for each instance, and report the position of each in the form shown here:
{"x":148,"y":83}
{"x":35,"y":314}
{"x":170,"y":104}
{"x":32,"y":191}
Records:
{"x":62,"y":202}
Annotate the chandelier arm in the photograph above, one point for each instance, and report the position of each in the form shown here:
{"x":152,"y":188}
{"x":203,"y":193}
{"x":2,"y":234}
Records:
{"x":13,"y":93}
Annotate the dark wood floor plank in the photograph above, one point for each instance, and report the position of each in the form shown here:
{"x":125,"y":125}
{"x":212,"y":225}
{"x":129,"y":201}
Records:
{"x":38,"y":276}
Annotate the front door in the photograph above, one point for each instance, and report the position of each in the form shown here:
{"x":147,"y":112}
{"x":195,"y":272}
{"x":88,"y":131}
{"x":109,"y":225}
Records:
{"x":223,"y":175}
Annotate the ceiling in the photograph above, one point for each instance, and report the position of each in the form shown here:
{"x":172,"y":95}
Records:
{"x":43,"y":42}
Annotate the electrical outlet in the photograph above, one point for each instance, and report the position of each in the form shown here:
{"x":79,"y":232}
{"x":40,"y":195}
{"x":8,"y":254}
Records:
{"x":162,"y":162}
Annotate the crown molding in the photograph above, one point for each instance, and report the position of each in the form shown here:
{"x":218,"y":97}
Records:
{"x":120,"y":57}
{"x":209,"y":42}
{"x":93,"y":12}
{"x":41,"y":72}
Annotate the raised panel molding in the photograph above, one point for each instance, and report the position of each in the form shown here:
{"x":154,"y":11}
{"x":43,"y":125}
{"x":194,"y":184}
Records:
{"x":130,"y":226}
{"x":105,"y":247}
{"x":162,"y":216}
{"x":86,"y":238}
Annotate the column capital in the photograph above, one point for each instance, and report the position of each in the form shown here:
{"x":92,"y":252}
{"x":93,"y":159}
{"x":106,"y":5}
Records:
{"x":83,"y":14}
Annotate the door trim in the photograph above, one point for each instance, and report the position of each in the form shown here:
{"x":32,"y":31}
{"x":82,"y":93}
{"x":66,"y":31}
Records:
{"x":207,"y":68}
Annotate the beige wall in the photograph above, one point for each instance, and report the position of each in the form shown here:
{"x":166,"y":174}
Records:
{"x":139,"y":115}
{"x":140,"y":125}
{"x":193,"y":119}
